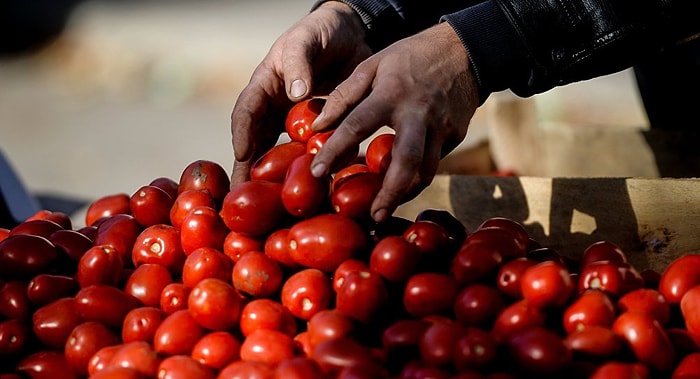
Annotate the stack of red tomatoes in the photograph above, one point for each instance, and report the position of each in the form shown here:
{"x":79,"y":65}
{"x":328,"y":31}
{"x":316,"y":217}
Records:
{"x":286,"y":276}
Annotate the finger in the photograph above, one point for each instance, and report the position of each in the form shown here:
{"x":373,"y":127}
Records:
{"x":246,"y":116}
{"x":297,"y":72}
{"x":348,"y":93}
{"x":241,"y":172}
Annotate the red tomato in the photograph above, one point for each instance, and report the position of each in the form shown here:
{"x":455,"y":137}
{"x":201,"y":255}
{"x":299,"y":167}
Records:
{"x":682,"y":274}
{"x":139,"y":356}
{"x":430,"y":237}
{"x":615,"y":279}
{"x":107,"y":206}
{"x":602,"y":251}
{"x":646,"y":338}
{"x":688,"y":367}
{"x":298,"y":368}
{"x":44,"y":364}
{"x":301,"y":116}
{"x":306,"y":292}
{"x":217,"y":349}
{"x":595,"y":341}
{"x":475,"y":262}
{"x":328,"y":324}
{"x":177,"y":333}
{"x":246,"y":369}
{"x":509,"y":276}
{"x":591,"y":308}
{"x":159,"y":244}
{"x":45,"y":288}
{"x":689,"y":306}
{"x":646,"y":300}
{"x":205,"y":175}
{"x":24,"y":256}
{"x":215,"y":304}
{"x":378,"y":154}
{"x":183,"y":367}
{"x":202,"y":227}
{"x":362,"y":296}
{"x":174,"y":297}
{"x":71,"y":243}
{"x":101,"y":264}
{"x":501,"y":239}
{"x":58,"y":217}
{"x":337,"y":354}
{"x":317,"y":140}
{"x":151,"y":205}
{"x":102,"y":359}
{"x":186,"y":201}
{"x":15,"y":336}
{"x":253,"y":208}
{"x":236,"y":244}
{"x":117,"y":372}
{"x":141,"y":323}
{"x":268,"y":346}
{"x":474,"y":349}
{"x":516,"y":317}
{"x":168,"y":185}
{"x":478,"y":305}
{"x":104,"y":304}
{"x":146,"y":283}
{"x":429,"y":293}
{"x":620,"y":370}
{"x":53,"y":322}
{"x":547,"y":285}
{"x":205,"y":262}
{"x":266,"y":314}
{"x":84,"y":341}
{"x":346,"y":267}
{"x":303,"y":194}
{"x":514,"y":227}
{"x":326,"y":240}
{"x":273,"y":165}
{"x":14,"y":303}
{"x":257,"y":275}
{"x":347,"y":172}
{"x":276,"y":246}
{"x":120,"y":231}
{"x":456,"y":231}
{"x":353,"y":196}
{"x":539,"y":350}
{"x":438,"y":342}
{"x":40,"y":227}
{"x":394,"y":258}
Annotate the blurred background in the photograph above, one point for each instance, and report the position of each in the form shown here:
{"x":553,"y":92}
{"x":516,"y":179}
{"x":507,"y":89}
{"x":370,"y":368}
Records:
{"x":99,"y":96}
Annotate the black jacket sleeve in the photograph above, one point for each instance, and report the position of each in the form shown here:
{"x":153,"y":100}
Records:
{"x":531,"y":46}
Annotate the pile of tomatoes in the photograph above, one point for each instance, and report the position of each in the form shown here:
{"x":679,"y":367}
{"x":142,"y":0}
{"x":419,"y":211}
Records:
{"x":286,"y":276}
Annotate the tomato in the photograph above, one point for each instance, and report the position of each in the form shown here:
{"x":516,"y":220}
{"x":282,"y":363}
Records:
{"x":146,"y":283}
{"x":100,"y":264}
{"x":510,"y":274}
{"x":620,"y":370}
{"x":547,"y":285}
{"x":217,"y":349}
{"x":682,"y":274}
{"x":317,"y":140}
{"x":44,"y":364}
{"x":159,"y":244}
{"x":336,"y":354}
{"x":329,"y":324}
{"x":107,"y":206}
{"x":362,"y":296}
{"x":104,"y":304}
{"x":378,"y":153}
{"x":688,"y":367}
{"x":347,"y":172}
{"x":137,"y":355}
{"x":298,"y":368}
{"x":306,"y":292}
{"x":102,"y":359}
{"x":202,"y":227}
{"x":689,"y":305}
{"x":301,"y":116}
{"x":15,"y":336}
{"x":353,"y":197}
{"x":205,"y":175}
{"x":167,"y":184}
{"x":257,"y":275}
{"x":174,"y":297}
{"x":205,"y":262}
{"x":646,"y":338}
{"x":141,"y":323}
{"x":430,"y":237}
{"x":394,"y":258}
{"x":303,"y":194}
{"x":45,"y":288}
{"x":326,"y":240}
{"x":24,"y":256}
{"x":253,"y":208}
{"x":515,"y":228}
{"x":151,"y":205}
{"x":276,"y":246}
{"x":615,"y":279}
{"x":475,"y":262}
{"x":71,"y":243}
{"x":246,"y":369}
{"x":590,"y":308}
{"x":265,"y":313}
{"x":475,"y":348}
{"x":438,"y":341}
{"x":595,"y":341}
{"x":500,"y":239}
{"x":53,"y":322}
{"x":539,"y":350}
{"x":177,"y":333}
{"x":646,"y":300}
{"x":602,"y":251}
{"x":456,"y":231}
{"x":274,"y":163}
{"x":430,"y":293}
{"x":183,"y":367}
{"x":344,"y":268}
{"x":84,"y":341}
{"x":478,"y":305}
{"x":235,"y":244}
{"x":14,"y":302}
{"x":268,"y":346}
{"x":61,"y":218}
{"x":117,"y":372}
{"x":215,"y":304}
{"x":188,"y":200}
{"x":516,"y":317}
{"x":120,"y":231}
{"x":40,"y":227}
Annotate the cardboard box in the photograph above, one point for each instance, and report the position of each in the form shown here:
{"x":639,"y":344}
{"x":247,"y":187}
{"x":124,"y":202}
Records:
{"x":652,"y":220}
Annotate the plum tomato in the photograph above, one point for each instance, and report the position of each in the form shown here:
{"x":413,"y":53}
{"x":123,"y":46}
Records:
{"x":456,"y":231}
{"x":336,"y":354}
{"x":539,"y":350}
{"x":602,"y":251}
{"x":159,"y":244}
{"x":186,"y":201}
{"x":151,"y":205}
{"x":620,"y":370}
{"x":15,"y":336}
{"x":475,"y":262}
{"x":688,"y":367}
{"x":304,"y":195}
{"x":140,"y":324}
{"x":345,"y":267}
{"x":347,"y":172}
{"x":477,"y":305}
{"x":183,"y":366}
{"x":215,"y":304}
{"x":646,"y":338}
{"x":217,"y":349}
{"x":590,"y":308}
{"x":430,"y":237}
{"x":306,"y":292}
{"x":257,"y":275}
{"x":274,"y":163}
{"x":39,"y":227}
{"x":146,"y":283}
{"x":500,"y":239}
{"x":326,"y":240}
{"x":438,"y":342}
{"x":646,"y":300}
{"x":84,"y":341}
{"x":394,"y":258}
{"x":268,"y":346}
{"x":120,"y":231}
{"x":24,"y":256}
{"x":689,"y":307}
{"x":547,"y":285}
{"x":177,"y":333}
{"x":246,"y":369}
{"x":236,"y":244}
{"x":174,"y":297}
{"x":682,"y":274}
{"x":14,"y":303}
{"x":61,"y":218}
{"x":276,"y":246}
{"x":253,"y":207}
{"x":53,"y":322}
{"x":317,"y":140}
{"x":595,"y":341}
{"x":353,"y":197}
{"x":301,"y":116}
{"x":104,"y":304}
{"x":298,"y":368}
{"x":329,"y":324}
{"x":429,"y":293}
{"x":205,"y":175}
{"x":514,"y":227}
{"x":510,"y":275}
{"x":202,"y":227}
{"x":107,"y":206}
{"x":615,"y":279}
{"x":378,"y":153}
{"x":100,"y":264}
{"x":44,"y":364}
{"x":71,"y":243}
{"x":102,"y":359}
{"x":474,"y":349}
{"x":137,"y":355}
{"x":45,"y":288}
{"x":205,"y":262}
{"x":362,"y":296}
{"x":167,"y":184}
{"x":516,"y":317}
{"x":265,"y":313}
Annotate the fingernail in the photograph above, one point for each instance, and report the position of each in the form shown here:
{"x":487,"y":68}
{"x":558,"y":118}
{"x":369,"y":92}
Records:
{"x":318,"y":170}
{"x":314,"y":123}
{"x":380,"y":215}
{"x":298,"y":88}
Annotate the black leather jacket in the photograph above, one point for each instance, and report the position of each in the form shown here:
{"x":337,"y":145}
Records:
{"x":531,"y":46}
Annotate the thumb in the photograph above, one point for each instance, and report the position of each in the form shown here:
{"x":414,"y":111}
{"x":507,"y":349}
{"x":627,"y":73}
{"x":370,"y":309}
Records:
{"x":297,"y":70}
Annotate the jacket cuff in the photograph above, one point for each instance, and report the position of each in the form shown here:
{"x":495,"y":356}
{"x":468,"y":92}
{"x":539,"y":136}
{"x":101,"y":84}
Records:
{"x":383,"y":22}
{"x":496,"y":52}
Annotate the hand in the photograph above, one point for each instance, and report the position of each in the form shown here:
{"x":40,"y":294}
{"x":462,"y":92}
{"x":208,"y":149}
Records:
{"x":311,"y":57}
{"x":424,"y":89}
